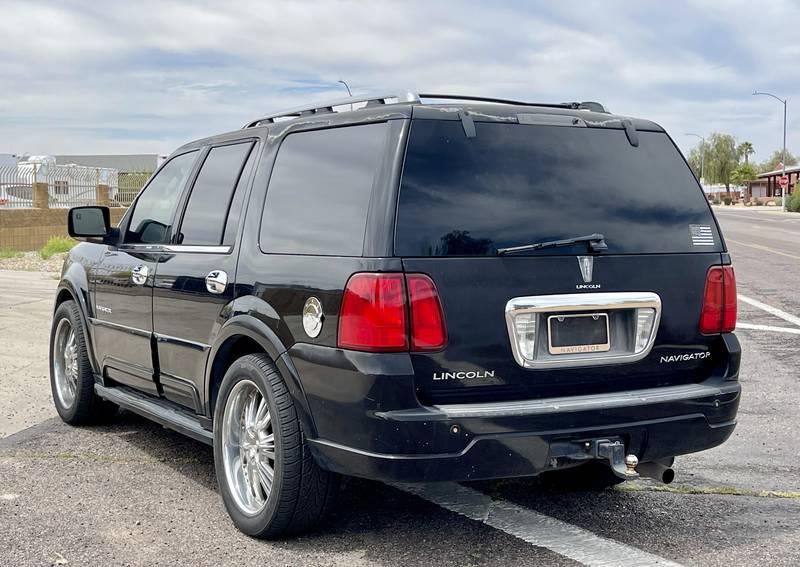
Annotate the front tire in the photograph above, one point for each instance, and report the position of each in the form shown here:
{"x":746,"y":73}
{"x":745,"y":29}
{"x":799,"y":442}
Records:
{"x":71,"y":376}
{"x":270,"y":484}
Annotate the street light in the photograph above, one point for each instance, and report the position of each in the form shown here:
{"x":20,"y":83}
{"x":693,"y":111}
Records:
{"x":702,"y":156}
{"x":784,"y":192}
{"x":348,"y":91}
{"x":345,"y":86}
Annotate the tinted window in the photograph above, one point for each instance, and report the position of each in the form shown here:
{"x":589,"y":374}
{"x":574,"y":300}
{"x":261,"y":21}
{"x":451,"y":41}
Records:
{"x":320,"y":189}
{"x":517,"y":184}
{"x":155,"y":207}
{"x":235,"y":211}
{"x":204,"y":219}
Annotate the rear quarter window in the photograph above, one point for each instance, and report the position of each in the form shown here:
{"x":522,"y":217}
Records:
{"x":320,"y":189}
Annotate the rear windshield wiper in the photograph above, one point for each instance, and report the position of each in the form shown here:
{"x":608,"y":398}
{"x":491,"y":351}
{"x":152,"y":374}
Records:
{"x":596,"y":242}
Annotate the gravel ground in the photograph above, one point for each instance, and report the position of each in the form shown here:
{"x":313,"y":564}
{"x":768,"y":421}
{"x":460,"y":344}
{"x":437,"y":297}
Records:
{"x":32,"y":262}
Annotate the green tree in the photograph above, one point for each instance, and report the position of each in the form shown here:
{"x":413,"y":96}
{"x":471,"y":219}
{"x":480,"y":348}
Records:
{"x":745,"y":150}
{"x":743,"y":173}
{"x":695,"y":159}
{"x":774,"y":161}
{"x":721,"y":159}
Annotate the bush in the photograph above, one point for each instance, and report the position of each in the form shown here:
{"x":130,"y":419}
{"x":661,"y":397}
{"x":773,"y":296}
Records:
{"x":9,"y":253}
{"x":727,"y":199}
{"x":56,"y":245}
{"x":793,"y":204}
{"x":778,"y":201}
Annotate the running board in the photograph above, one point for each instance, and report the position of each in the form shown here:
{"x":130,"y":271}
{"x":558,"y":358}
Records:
{"x":157,"y":410}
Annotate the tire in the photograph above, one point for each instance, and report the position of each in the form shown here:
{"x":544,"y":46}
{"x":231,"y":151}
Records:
{"x":71,"y":377}
{"x":300,"y":494}
{"x":592,"y":476}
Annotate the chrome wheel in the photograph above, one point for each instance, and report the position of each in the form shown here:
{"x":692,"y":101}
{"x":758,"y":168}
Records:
{"x":248,"y":445}
{"x":65,"y":363}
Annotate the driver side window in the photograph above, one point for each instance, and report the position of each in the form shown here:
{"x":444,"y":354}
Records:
{"x":154,"y":209}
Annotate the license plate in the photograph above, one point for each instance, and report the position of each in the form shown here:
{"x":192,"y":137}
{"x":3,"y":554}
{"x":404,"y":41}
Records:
{"x":578,"y":333}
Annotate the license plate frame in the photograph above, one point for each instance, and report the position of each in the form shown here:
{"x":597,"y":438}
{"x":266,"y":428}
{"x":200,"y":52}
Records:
{"x":579,"y":348}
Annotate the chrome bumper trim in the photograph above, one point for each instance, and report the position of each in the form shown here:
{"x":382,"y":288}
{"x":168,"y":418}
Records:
{"x":586,"y":403}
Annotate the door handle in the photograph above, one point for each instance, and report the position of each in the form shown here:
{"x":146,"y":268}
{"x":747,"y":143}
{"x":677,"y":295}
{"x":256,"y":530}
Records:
{"x":216,"y":281}
{"x":139,"y":275}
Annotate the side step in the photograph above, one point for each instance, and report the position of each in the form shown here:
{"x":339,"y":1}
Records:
{"x":157,"y":410}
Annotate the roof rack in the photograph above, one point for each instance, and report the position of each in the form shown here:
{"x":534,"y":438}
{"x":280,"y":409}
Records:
{"x":584,"y":105}
{"x":326,"y":107}
{"x":410,"y":98}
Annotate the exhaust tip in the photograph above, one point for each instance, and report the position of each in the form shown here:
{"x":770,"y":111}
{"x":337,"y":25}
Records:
{"x":668,"y":476}
{"x":656,"y":471}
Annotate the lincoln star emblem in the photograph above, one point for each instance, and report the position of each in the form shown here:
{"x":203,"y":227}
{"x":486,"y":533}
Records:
{"x":586,"y":264}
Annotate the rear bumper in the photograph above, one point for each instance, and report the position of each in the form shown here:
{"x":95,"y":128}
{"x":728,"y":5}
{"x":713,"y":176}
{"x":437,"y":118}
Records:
{"x":369,"y":424}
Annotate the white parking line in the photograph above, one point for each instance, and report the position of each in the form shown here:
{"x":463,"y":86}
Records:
{"x":534,"y":528}
{"x":767,"y":328}
{"x":771,"y":310}
{"x":764,"y":248}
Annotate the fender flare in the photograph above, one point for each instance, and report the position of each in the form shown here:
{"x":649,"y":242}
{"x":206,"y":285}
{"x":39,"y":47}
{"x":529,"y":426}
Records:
{"x":67,"y":284}
{"x":256,"y":330}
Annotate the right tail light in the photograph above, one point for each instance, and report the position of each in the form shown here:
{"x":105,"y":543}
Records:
{"x":719,"y":301}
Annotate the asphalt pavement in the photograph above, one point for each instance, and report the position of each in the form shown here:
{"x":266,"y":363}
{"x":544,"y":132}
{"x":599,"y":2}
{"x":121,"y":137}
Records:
{"x":133,"y":493}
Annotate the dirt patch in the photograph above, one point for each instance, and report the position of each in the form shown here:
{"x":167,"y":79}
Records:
{"x":32,"y":262}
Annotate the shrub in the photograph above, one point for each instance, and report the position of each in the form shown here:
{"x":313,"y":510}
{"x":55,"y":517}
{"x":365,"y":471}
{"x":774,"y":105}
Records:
{"x":793,"y":204}
{"x":56,"y":245}
{"x":778,"y":201}
{"x":727,"y":199}
{"x":9,"y":253}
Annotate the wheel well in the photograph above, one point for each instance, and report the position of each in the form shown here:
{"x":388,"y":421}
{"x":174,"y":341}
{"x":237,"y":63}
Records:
{"x":63,"y":295}
{"x":232,"y":349}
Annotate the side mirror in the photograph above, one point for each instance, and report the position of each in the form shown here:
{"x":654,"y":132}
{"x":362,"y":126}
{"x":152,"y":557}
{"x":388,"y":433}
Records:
{"x":89,"y":222}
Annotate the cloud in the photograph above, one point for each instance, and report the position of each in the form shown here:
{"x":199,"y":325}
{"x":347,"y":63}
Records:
{"x":147,"y":76}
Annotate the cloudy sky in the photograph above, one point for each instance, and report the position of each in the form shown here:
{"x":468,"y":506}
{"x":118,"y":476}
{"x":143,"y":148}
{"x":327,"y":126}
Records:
{"x":144,"y":77}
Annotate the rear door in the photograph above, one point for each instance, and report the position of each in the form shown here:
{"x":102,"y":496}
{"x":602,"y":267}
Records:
{"x":195,"y":277}
{"x":464,"y":198}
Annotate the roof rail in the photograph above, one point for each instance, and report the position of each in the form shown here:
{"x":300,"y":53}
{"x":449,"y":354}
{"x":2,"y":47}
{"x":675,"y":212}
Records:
{"x":412,"y":98}
{"x":588,"y":105}
{"x":326,"y":107}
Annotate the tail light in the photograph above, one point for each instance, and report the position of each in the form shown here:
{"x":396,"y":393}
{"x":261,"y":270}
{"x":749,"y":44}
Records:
{"x":391,"y":313}
{"x":719,"y":301}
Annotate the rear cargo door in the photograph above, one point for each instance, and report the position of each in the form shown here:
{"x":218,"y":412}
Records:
{"x":596,"y":320}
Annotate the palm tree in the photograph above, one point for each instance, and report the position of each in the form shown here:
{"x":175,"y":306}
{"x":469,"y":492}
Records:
{"x":745,"y":150}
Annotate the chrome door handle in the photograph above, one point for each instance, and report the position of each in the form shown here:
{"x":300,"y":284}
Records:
{"x":139,"y":275}
{"x":216,"y":281}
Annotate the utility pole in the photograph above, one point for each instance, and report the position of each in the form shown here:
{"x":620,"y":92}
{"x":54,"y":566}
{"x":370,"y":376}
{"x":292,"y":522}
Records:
{"x":783,"y":101}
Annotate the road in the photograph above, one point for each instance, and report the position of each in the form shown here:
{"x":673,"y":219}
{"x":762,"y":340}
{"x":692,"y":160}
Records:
{"x":134,"y":493}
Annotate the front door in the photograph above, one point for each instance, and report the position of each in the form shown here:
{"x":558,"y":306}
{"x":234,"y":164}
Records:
{"x":122,"y":282}
{"x":195,"y":277}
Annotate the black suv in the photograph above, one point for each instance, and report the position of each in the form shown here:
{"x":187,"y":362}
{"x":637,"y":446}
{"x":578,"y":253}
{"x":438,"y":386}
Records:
{"x":469,"y":289}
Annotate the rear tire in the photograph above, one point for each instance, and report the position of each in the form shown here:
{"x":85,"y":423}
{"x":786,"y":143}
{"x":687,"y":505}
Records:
{"x":270,"y":484}
{"x":71,"y":376}
{"x":592,"y":476}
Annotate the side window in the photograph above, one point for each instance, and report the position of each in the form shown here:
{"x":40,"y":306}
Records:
{"x":154,"y":209}
{"x":320,"y":189}
{"x":204,"y":220}
{"x":237,"y":203}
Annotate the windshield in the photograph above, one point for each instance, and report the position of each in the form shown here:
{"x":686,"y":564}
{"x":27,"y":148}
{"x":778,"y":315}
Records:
{"x":516,"y":184}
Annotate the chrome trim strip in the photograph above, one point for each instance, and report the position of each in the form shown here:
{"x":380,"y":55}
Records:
{"x":132,"y":330}
{"x":569,"y":302}
{"x":181,"y":342}
{"x":191,"y":248}
{"x":545,"y":406}
{"x":197,"y":249}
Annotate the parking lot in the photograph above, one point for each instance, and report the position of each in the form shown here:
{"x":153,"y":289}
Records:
{"x":134,"y":493}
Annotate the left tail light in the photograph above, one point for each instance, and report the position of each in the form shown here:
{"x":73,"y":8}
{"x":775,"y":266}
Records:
{"x":391,"y":312}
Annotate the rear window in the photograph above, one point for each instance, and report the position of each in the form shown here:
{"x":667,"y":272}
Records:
{"x":515,"y":184}
{"x":320,"y":189}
